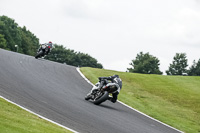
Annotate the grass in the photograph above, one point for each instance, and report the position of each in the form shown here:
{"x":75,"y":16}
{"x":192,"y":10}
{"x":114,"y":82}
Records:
{"x":13,"y":119}
{"x":174,"y":100}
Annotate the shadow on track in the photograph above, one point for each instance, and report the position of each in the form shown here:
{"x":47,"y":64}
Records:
{"x":103,"y":105}
{"x":106,"y":106}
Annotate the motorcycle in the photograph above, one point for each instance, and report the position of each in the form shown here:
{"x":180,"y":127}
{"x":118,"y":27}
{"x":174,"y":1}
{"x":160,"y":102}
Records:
{"x":101,"y":95}
{"x":43,"y":50}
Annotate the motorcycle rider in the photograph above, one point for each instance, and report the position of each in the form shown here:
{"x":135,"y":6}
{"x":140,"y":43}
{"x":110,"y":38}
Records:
{"x":115,"y":81}
{"x":49,"y":46}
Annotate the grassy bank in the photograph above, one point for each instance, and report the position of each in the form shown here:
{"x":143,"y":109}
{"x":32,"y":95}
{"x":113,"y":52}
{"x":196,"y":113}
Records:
{"x":13,"y":119}
{"x":174,"y":100}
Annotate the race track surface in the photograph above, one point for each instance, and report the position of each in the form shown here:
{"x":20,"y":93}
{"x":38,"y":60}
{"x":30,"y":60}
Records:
{"x":56,"y":91}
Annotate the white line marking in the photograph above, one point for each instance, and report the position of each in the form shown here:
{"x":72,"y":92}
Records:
{"x":39,"y":115}
{"x":78,"y":69}
{"x":84,"y":76}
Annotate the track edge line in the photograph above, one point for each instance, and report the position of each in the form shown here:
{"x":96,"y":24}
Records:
{"x":42,"y":117}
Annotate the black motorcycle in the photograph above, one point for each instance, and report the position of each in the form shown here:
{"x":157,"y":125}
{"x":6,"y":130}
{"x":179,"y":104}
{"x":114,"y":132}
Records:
{"x":102,"y":94}
{"x":43,"y":50}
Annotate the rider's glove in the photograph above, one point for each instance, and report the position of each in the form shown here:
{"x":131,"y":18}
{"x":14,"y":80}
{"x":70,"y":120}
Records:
{"x":100,"y":78}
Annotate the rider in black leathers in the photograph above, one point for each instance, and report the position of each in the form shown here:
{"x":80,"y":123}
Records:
{"x":49,"y":45}
{"x":115,"y":80}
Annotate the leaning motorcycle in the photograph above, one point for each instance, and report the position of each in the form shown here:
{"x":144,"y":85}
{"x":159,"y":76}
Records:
{"x":42,"y":50}
{"x":101,"y":95}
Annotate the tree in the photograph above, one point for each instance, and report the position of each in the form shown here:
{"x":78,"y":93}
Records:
{"x":2,"y":42}
{"x":11,"y":32}
{"x":29,"y":42}
{"x":62,"y":55}
{"x":178,"y":66}
{"x":194,"y":70}
{"x":26,"y":41}
{"x":146,"y":64}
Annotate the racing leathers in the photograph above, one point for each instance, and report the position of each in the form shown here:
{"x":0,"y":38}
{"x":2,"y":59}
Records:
{"x":49,"y":47}
{"x":115,"y":81}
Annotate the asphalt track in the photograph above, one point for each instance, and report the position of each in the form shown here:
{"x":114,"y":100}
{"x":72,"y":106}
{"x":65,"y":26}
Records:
{"x":56,"y":91}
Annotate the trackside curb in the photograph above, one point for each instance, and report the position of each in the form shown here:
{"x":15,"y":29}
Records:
{"x":78,"y":69}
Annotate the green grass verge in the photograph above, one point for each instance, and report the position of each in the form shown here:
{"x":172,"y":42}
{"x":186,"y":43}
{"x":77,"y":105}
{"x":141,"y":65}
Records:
{"x":13,"y":119}
{"x":174,"y":100}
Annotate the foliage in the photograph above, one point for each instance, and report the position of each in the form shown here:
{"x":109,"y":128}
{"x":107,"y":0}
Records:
{"x":178,"y":66}
{"x":29,"y":42}
{"x":173,"y":100}
{"x":62,"y":55}
{"x":10,"y":30}
{"x":194,"y":70}
{"x":146,"y":64}
{"x":26,"y":42}
{"x":2,"y":41}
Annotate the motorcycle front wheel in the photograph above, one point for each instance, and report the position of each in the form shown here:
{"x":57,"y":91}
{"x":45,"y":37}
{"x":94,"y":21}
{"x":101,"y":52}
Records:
{"x":40,"y":53}
{"x":101,"y":99}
